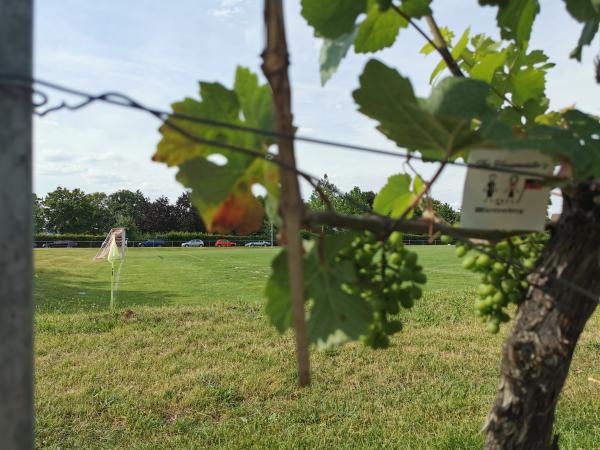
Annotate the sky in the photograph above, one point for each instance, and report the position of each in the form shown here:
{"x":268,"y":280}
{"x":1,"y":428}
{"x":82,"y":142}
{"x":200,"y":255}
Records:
{"x":157,"y":51}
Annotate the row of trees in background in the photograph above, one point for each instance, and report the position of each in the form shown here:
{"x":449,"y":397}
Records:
{"x":73,"y":211}
{"x":357,"y":202}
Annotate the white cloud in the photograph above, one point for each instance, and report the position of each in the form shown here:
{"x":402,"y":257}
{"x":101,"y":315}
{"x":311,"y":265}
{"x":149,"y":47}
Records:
{"x":61,"y":169}
{"x":228,"y":8}
{"x":56,"y":156}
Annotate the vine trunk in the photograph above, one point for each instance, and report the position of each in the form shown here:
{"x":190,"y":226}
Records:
{"x":537,"y":354}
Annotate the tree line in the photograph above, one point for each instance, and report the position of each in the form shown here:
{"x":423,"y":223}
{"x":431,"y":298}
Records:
{"x":75,"y":212}
{"x":357,"y":202}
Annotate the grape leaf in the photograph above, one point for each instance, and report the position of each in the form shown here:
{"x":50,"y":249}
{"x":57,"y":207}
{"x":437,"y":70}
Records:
{"x":432,"y":129}
{"x":582,"y":10}
{"x":332,"y":53}
{"x":396,"y":196}
{"x":577,"y":140}
{"x":587,"y":35}
{"x":527,"y":84}
{"x":416,"y":8}
{"x":588,"y":13}
{"x":486,"y":67}
{"x":515,"y":19}
{"x":378,"y":30}
{"x":277,"y":291}
{"x":333,"y":315}
{"x":223,"y":194}
{"x":332,"y":18}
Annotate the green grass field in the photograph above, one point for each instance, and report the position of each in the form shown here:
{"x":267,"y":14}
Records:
{"x":189,"y":361}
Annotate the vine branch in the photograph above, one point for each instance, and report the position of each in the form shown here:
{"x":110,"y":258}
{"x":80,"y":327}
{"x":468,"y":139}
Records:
{"x":383,"y":225}
{"x":275,"y":67}
{"x":442,"y":48}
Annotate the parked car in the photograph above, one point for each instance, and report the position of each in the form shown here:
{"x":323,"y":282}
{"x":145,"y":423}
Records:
{"x":152,"y":243}
{"x":193,"y":243}
{"x":224,"y":243}
{"x":60,"y":244}
{"x":257,"y":244}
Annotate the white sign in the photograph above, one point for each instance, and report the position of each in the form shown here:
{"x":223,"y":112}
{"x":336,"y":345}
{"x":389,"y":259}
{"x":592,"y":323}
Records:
{"x":498,"y":200}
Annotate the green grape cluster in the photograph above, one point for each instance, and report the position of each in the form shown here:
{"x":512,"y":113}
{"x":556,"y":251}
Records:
{"x":501,"y":283}
{"x":388,"y":277}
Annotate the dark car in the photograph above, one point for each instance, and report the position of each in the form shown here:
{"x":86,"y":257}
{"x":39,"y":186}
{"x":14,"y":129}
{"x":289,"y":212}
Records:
{"x":60,"y":244}
{"x":152,"y":243}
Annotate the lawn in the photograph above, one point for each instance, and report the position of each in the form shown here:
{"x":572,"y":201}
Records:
{"x":189,"y":361}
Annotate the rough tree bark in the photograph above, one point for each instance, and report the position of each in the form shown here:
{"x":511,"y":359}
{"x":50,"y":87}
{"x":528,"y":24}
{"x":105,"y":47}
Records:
{"x":537,"y":353}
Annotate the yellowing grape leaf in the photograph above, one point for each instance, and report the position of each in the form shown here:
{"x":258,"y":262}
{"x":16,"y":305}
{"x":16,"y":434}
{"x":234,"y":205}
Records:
{"x":223,"y":193}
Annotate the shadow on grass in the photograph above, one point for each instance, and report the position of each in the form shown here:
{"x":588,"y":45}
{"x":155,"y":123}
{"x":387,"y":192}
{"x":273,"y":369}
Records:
{"x":60,"y":291}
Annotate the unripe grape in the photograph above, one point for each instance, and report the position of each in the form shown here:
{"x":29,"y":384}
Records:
{"x":411,"y":259}
{"x":395,"y":238}
{"x":508,"y":284}
{"x":499,"y":298}
{"x":485,"y":289}
{"x":502,"y":246}
{"x":461,"y":251}
{"x":381,"y":341}
{"x":416,"y":292}
{"x":529,"y":263}
{"x":420,"y":277}
{"x":493,"y":327}
{"x":393,"y":326}
{"x":483,"y":261}
{"x":395,"y":258}
{"x":468,"y":262}
{"x":404,"y":274}
{"x":407,"y":301}
{"x":392,"y":307}
{"x":498,"y":267}
{"x":446,"y":239}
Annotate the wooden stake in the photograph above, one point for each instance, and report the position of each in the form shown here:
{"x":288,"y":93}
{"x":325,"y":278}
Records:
{"x":291,"y":207}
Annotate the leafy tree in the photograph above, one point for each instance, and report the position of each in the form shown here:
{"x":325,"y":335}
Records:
{"x":100,"y":219}
{"x":186,"y":215}
{"x":69,"y":211}
{"x":125,"y":206}
{"x":357,"y":201}
{"x":39,"y":222}
{"x":160,"y":216}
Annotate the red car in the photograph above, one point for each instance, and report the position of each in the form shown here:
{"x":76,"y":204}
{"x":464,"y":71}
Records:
{"x":224,"y":243}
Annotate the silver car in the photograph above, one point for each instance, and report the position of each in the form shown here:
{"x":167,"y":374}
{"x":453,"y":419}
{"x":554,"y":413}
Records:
{"x":258,"y":244}
{"x":193,"y":243}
